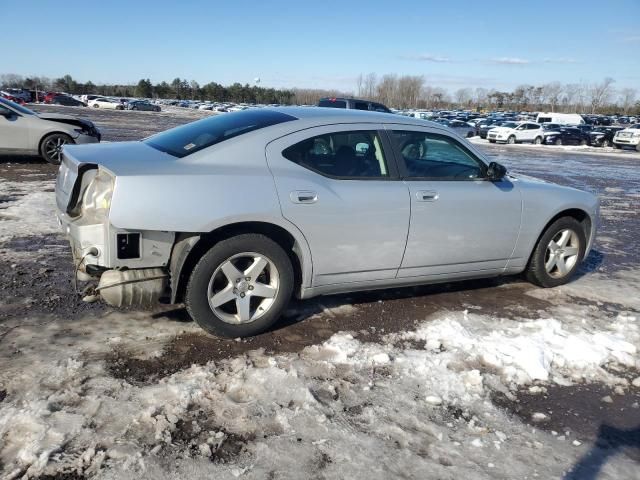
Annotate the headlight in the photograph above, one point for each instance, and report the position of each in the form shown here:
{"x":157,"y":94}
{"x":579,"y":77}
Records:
{"x":636,"y":135}
{"x":95,"y":200}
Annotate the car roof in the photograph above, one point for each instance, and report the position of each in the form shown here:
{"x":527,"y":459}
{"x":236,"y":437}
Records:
{"x":328,"y":115}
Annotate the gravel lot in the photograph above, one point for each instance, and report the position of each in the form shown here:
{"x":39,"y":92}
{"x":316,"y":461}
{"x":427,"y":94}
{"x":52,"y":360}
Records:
{"x":87,"y":391}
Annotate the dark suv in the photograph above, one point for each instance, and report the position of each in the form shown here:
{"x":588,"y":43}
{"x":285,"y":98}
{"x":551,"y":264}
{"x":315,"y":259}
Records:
{"x":353,"y":103}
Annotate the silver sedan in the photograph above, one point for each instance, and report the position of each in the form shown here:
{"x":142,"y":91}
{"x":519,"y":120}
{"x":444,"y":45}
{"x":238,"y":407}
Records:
{"x":24,"y":131}
{"x":235,"y":213}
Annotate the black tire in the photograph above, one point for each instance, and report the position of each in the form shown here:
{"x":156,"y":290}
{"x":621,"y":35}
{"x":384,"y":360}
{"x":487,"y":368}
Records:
{"x":583,"y":142}
{"x":559,"y":142}
{"x":50,"y":147}
{"x":606,"y":143}
{"x":616,"y":146}
{"x":196,"y":297}
{"x":536,"y":272}
{"x":511,"y":140}
{"x":538,"y":141}
{"x":492,"y":141}
{"x":469,"y":134}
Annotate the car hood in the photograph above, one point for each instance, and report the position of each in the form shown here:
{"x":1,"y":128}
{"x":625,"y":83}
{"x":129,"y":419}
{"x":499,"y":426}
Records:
{"x":69,"y":119}
{"x":501,"y":130}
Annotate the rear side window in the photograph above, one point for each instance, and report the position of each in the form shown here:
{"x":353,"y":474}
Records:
{"x":343,"y":155}
{"x":333,"y":103}
{"x":190,"y":138}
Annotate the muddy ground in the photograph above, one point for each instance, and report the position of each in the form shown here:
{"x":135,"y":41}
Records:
{"x":36,"y":272}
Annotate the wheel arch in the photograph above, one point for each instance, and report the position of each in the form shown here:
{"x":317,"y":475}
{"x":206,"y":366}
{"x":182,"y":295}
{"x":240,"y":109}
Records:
{"x":48,"y":133}
{"x":580,"y":215}
{"x":190,"y":247}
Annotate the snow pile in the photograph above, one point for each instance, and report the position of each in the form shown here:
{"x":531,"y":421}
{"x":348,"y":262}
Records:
{"x":28,"y":208}
{"x":417,"y":402}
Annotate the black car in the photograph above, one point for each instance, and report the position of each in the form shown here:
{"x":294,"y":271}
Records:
{"x":566,"y":136}
{"x":485,"y":127}
{"x":66,"y":101}
{"x":354,"y":103}
{"x":603,"y":136}
{"x":142,"y":105}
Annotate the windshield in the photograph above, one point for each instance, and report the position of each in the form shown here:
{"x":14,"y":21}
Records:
{"x":190,"y":138}
{"x":16,"y":107}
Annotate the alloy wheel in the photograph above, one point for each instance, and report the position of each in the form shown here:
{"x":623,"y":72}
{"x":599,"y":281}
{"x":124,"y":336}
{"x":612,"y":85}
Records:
{"x":243,"y":288}
{"x":53,"y":148}
{"x":562,"y":253}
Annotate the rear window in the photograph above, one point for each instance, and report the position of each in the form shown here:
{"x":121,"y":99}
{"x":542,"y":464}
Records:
{"x":190,"y":138}
{"x":332,"y":103}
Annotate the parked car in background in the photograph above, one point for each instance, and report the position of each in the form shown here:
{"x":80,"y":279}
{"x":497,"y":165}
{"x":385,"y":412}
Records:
{"x":19,"y":93}
{"x":8,"y":96}
{"x":566,"y":136}
{"x":322,"y":183}
{"x":603,"y":136}
{"x":27,"y":132}
{"x":561,"y":118}
{"x":514,"y":132}
{"x":102,"y":102}
{"x":485,"y":127}
{"x":461,"y":128}
{"x":144,"y":105}
{"x":628,"y":137}
{"x":66,"y":100}
{"x":353,"y":103}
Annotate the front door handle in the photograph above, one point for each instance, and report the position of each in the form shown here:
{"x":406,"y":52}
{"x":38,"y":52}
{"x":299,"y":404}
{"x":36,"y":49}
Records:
{"x":427,"y":195}
{"x":303,"y":196}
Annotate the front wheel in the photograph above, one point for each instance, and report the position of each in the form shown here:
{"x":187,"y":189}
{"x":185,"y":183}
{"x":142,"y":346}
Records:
{"x":240,"y":287}
{"x":616,"y":146}
{"x":51,"y":147}
{"x":606,"y":143}
{"x":538,"y":140}
{"x":511,"y":140}
{"x":558,"y":142}
{"x":557,"y":254}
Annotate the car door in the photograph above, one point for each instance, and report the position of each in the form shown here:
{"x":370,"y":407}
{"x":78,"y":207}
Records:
{"x":338,"y":185}
{"x":460,"y":221}
{"x":535,"y":131}
{"x":14,"y":130}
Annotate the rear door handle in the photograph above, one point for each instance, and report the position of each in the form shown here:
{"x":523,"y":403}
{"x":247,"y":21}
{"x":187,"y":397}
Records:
{"x":303,"y":196}
{"x":427,"y":195}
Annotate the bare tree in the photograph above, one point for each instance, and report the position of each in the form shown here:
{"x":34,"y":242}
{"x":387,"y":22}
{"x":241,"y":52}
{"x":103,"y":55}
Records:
{"x":551,"y":93}
{"x":600,"y":93}
{"x":369,"y":85}
{"x":628,"y":98}
{"x":360,"y":84}
{"x":462,"y":96}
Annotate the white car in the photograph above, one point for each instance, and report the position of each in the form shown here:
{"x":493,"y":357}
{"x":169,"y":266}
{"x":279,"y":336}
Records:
{"x":102,"y":102}
{"x":629,"y":137}
{"x":517,"y":132}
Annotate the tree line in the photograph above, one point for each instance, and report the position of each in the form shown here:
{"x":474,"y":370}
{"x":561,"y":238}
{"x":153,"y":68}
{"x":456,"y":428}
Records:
{"x":179,"y":89}
{"x":397,"y":91}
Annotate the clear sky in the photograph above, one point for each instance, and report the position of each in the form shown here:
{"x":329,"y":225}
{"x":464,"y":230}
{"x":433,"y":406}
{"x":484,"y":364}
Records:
{"x":325,"y":44}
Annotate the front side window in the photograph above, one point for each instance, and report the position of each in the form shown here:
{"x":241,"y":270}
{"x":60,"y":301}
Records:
{"x":195,"y":136}
{"x":435,"y":156}
{"x":343,"y":155}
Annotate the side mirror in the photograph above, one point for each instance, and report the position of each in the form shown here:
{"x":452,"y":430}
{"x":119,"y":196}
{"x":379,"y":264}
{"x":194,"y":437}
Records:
{"x":496,"y":171}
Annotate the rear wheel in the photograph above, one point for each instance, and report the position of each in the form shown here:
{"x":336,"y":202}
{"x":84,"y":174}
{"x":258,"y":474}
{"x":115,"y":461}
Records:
{"x":492,"y":141}
{"x":559,"y":141}
{"x":538,"y":140}
{"x":240,"y":287}
{"x":511,"y":140}
{"x":606,"y":143}
{"x":95,"y":105}
{"x":51,"y":147}
{"x":583,"y":142}
{"x":558,"y":253}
